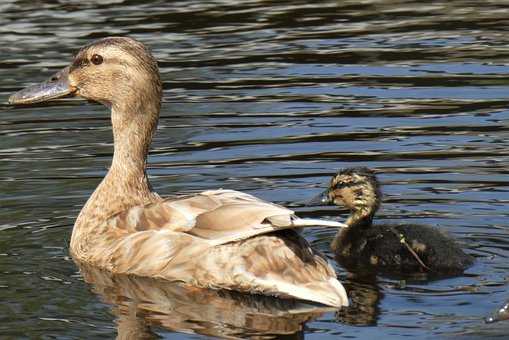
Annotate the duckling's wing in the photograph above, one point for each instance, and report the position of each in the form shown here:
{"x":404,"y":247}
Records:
{"x":219,"y":216}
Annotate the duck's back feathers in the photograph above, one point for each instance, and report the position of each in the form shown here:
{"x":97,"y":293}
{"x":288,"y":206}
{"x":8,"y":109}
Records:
{"x":218,"y":216}
{"x":279,"y":264}
{"x":402,"y":248}
{"x":191,"y":239}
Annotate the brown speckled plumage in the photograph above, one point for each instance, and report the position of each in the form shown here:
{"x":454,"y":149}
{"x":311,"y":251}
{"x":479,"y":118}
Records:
{"x":217,"y":239}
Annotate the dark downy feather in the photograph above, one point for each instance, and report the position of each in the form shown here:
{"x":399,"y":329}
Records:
{"x":396,"y":248}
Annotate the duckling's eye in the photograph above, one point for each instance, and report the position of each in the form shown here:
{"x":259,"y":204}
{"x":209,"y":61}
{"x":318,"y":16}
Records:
{"x":341,"y":185}
{"x":97,"y":59}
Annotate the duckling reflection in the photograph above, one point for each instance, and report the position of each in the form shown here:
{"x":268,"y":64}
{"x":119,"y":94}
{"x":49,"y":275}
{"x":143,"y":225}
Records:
{"x":141,"y":303}
{"x":365,"y":296}
{"x":396,"y":248}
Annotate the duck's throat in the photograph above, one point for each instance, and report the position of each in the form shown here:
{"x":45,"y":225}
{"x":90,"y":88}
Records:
{"x":126,"y":183}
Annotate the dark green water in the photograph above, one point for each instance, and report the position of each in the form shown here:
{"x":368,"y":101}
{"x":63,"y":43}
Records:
{"x":271,"y":98}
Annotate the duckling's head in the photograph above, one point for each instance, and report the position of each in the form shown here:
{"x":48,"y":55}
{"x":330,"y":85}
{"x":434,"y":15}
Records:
{"x":357,"y":189}
{"x":111,"y":71}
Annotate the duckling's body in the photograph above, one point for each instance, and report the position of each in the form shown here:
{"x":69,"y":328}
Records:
{"x":397,"y":248}
{"x":387,"y":246}
{"x":221,"y":239}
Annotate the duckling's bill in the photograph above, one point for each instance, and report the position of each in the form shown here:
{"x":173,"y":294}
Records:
{"x":321,"y":199}
{"x":56,"y":86}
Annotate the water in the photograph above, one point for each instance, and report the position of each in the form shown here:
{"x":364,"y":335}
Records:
{"x":271,"y":98}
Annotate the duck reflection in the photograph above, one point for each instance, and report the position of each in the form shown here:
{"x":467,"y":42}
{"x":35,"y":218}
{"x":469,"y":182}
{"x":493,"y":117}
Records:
{"x":142,"y":303}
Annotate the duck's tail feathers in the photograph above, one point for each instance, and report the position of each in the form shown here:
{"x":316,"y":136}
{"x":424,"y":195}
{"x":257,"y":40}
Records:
{"x":329,"y":293}
{"x":277,"y":265}
{"x":274,"y":223}
{"x":314,"y":222}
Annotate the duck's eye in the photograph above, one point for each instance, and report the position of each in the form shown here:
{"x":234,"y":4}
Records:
{"x":97,"y":59}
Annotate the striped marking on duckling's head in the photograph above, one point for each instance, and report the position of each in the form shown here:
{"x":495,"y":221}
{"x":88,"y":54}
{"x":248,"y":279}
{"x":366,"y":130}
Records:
{"x":357,"y":189}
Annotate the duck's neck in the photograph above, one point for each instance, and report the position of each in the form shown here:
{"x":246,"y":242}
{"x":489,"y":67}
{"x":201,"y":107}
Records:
{"x":126,"y":184}
{"x":133,"y":127}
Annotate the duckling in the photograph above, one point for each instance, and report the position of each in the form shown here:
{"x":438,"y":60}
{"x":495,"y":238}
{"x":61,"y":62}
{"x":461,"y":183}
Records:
{"x":220,"y":239}
{"x":398,"y":248}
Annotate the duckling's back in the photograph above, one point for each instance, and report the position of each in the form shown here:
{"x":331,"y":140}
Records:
{"x":402,"y":248}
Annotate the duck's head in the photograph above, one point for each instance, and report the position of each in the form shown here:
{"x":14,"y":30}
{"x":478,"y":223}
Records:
{"x":111,"y":71}
{"x":357,"y":189}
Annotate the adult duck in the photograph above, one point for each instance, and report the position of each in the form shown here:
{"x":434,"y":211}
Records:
{"x":221,"y":239}
{"x":399,"y":248}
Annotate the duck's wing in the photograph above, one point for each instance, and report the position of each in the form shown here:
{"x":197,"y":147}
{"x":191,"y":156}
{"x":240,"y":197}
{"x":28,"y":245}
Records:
{"x":190,"y":239}
{"x":219,"y":216}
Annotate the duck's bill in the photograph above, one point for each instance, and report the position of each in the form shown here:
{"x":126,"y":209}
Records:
{"x":56,"y":86}
{"x":321,"y":199}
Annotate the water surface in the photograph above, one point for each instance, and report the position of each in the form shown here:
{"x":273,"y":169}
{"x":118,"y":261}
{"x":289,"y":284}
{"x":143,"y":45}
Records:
{"x":271,"y":98}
